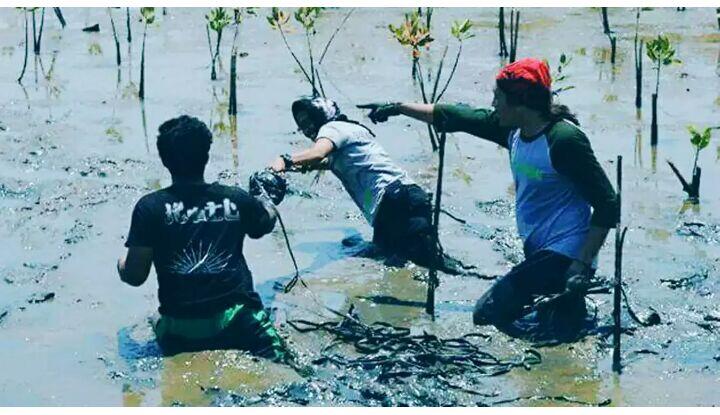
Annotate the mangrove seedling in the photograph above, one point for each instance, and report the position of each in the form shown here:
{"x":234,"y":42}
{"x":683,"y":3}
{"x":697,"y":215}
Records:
{"x":620,"y":233}
{"x":661,"y":53}
{"x":115,"y":37}
{"x":217,"y":20}
{"x":307,"y":17}
{"x":514,"y":30}
{"x":60,"y":17}
{"x":699,"y":140}
{"x":413,"y":33}
{"x":638,"y":49}
{"x":148,"y":17}
{"x":501,"y":32}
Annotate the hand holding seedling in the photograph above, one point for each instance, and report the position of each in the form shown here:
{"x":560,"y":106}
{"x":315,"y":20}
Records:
{"x":381,"y":111}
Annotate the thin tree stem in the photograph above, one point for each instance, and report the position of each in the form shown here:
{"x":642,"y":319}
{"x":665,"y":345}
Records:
{"x":22,"y":73}
{"x":452,"y":72}
{"x":142,"y":67}
{"x":302,"y":68}
{"x":327,"y":45}
{"x":115,"y":37}
{"x":127,"y":23}
{"x":437,"y":76}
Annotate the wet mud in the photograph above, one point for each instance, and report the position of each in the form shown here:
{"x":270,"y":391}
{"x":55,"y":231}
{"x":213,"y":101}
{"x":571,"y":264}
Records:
{"x":77,"y":151}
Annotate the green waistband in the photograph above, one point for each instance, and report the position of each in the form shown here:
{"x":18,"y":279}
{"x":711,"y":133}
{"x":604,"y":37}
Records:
{"x":197,"y":328}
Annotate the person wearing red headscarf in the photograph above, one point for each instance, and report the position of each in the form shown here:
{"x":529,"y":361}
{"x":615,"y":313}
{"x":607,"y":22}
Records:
{"x":565,"y":204}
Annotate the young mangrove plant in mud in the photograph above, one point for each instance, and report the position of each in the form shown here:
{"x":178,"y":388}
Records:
{"x":307,"y":17}
{"x":148,"y":17}
{"x":217,"y":20}
{"x":661,"y":53}
{"x":610,"y":34}
{"x":560,"y":75}
{"x":638,"y":51}
{"x":699,"y":140}
{"x":605,"y":22}
{"x":413,"y":33}
{"x":617,"y":284}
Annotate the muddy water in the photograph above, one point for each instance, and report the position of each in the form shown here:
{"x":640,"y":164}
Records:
{"x":74,"y":158}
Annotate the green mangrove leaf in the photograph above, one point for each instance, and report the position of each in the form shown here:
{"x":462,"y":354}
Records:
{"x":278,"y":18}
{"x":147,"y":14}
{"x":218,"y":19}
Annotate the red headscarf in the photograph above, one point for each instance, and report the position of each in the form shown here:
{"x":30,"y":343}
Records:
{"x":533,"y":71}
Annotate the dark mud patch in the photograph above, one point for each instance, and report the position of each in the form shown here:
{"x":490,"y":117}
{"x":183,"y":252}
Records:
{"x":499,"y":208}
{"x":38,"y":298}
{"x":708,"y":233}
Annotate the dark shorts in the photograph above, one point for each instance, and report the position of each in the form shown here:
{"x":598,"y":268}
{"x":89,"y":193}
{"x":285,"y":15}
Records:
{"x":542,"y":273}
{"x":240,"y":327}
{"x":403,"y":223}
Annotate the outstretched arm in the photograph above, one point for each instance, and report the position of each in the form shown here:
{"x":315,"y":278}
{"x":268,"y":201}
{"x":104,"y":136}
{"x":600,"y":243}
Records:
{"x":308,"y":157}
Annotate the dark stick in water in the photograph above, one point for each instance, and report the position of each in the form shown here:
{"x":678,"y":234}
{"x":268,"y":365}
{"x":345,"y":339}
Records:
{"x":638,"y":47}
{"x":127,"y":23}
{"x":501,"y":31}
{"x":617,"y":286}
{"x":22,"y":73}
{"x":606,"y":24}
{"x":115,"y":38}
{"x":436,"y":254}
{"x":142,"y":66}
{"x":60,"y":17}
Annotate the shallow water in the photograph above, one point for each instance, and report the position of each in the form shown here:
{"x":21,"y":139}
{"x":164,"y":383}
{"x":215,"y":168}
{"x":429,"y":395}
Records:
{"x":74,"y":158}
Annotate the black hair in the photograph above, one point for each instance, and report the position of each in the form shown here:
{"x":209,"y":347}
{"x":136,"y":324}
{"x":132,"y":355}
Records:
{"x":184,"y":146}
{"x":318,"y":116}
{"x":536,"y":97}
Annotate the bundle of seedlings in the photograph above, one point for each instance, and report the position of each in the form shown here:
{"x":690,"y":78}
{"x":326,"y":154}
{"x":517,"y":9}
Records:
{"x":699,"y":140}
{"x":392,"y":352}
{"x":307,"y":17}
{"x":661,"y":53}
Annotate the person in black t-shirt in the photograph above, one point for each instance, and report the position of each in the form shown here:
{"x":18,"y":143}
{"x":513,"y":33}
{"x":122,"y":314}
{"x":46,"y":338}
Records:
{"x":193,"y":232}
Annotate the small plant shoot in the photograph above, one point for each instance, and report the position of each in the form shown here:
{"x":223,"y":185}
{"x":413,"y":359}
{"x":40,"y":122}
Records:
{"x":661,"y":53}
{"x":217,"y":20}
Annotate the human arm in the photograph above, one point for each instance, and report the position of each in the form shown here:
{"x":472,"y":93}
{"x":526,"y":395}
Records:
{"x":134,"y":266}
{"x":261,"y":216}
{"x":572,"y":156}
{"x":306,"y":158}
{"x":449,"y":118}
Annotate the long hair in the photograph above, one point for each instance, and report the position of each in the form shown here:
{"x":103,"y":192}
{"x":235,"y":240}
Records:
{"x":536,"y":97}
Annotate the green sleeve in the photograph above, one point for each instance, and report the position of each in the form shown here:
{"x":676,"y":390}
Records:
{"x":479,"y":122}
{"x":572,"y":156}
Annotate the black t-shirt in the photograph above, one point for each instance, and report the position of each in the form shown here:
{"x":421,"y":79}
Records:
{"x":197,"y":232}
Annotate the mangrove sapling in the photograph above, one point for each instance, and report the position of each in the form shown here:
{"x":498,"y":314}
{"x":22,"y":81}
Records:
{"x":501,"y":32}
{"x":217,"y":20}
{"x":560,"y":75}
{"x":22,"y":73}
{"x":412,"y":33}
{"x":661,"y":53}
{"x":37,"y":40}
{"x":638,"y":49}
{"x":514,"y":30}
{"x":115,"y":38}
{"x":699,"y":140}
{"x":148,"y":17}
{"x":60,"y":17}
{"x":307,"y":17}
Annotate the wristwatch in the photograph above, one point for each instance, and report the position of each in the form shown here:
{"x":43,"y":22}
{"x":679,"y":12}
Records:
{"x":287,"y":159}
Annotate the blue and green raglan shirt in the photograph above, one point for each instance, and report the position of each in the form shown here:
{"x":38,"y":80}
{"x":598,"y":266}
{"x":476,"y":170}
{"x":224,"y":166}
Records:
{"x":557,"y":179}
